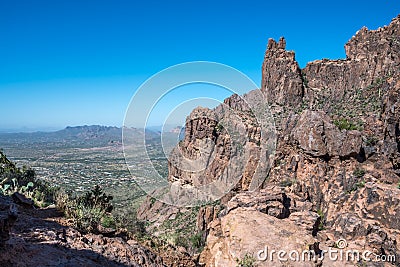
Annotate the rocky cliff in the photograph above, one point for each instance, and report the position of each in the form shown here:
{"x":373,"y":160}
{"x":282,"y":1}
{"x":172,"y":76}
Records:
{"x":336,"y":172}
{"x":208,"y":144}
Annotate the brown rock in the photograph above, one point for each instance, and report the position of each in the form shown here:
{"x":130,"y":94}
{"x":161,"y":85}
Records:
{"x":245,"y":231}
{"x":21,"y":199}
{"x":8,"y":216}
{"x":281,"y":75}
{"x":317,"y":136}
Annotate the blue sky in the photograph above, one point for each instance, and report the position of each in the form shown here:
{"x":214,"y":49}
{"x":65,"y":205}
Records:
{"x":79,"y":62}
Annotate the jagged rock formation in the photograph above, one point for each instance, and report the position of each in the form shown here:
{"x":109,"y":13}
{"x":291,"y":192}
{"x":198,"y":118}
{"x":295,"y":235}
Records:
{"x":337,"y":166}
{"x":207,"y":146}
{"x":337,"y":158}
{"x":281,"y":75}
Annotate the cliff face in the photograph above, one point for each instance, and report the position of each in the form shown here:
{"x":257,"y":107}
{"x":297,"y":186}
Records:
{"x":208,"y":145}
{"x":336,"y":171}
{"x":337,"y":159}
{"x":281,"y":75}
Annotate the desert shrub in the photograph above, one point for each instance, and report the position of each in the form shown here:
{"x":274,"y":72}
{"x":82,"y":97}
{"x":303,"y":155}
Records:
{"x":247,"y":261}
{"x":321,"y":225}
{"x":128,"y":220}
{"x":108,"y":221}
{"x":197,"y":241}
{"x":23,"y":180}
{"x":371,"y":140}
{"x":344,"y":124}
{"x":359,"y":173}
{"x":87,"y":219}
{"x":96,"y":198}
{"x":356,"y":186}
{"x":304,"y":79}
{"x":287,"y":182}
{"x":219,"y":128}
{"x":88,"y":210}
{"x":360,"y":184}
{"x":178,"y":240}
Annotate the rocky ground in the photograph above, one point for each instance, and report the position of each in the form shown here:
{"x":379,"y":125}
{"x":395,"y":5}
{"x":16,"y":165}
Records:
{"x":43,"y":237}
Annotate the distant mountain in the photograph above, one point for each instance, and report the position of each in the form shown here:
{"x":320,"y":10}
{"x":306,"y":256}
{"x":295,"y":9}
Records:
{"x":81,"y":136}
{"x":28,"y":129}
{"x":91,"y":132}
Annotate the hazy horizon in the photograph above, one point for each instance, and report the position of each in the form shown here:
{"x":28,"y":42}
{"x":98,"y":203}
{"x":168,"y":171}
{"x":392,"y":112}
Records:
{"x":54,"y":129}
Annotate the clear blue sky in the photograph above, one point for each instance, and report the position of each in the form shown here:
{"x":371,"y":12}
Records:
{"x":79,"y":62}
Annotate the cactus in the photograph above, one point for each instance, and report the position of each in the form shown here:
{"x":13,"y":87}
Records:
{"x":14,"y":179}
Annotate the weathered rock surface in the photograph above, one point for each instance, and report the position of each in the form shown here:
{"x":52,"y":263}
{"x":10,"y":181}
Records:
{"x":336,"y":170}
{"x":42,"y":237}
{"x":281,"y":75}
{"x":337,"y":163}
{"x":206,"y":150}
{"x":8,"y":216}
{"x":318,"y":136}
{"x":246,"y":231}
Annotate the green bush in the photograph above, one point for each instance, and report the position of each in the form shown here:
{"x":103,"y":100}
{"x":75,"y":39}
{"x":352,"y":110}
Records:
{"x":356,"y":186}
{"x":108,"y":221}
{"x":304,"y":79}
{"x":360,"y":184}
{"x":87,"y":219}
{"x":88,"y":210}
{"x":247,"y":261}
{"x":344,"y":124}
{"x":321,"y":225}
{"x":219,"y":128}
{"x":287,"y":182}
{"x":14,"y":179}
{"x":96,"y":198}
{"x":197,"y":241}
{"x":371,"y":140}
{"x":359,"y":172}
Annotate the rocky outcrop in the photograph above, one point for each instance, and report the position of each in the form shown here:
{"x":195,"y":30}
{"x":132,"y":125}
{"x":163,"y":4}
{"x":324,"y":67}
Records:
{"x":336,"y":170}
{"x":194,"y":161}
{"x":205,"y":152}
{"x":281,"y":75}
{"x":337,"y":163}
{"x":316,"y":135}
{"x":245,"y":231}
{"x":53,"y":248}
{"x":275,"y":218}
{"x":370,"y":55}
{"x":8,"y":216}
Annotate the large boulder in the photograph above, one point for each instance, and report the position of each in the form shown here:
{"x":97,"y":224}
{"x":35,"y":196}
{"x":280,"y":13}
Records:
{"x":318,"y":136}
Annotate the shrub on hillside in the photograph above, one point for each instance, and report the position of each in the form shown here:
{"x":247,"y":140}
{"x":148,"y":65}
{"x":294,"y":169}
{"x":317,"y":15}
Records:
{"x":23,"y":180}
{"x":87,"y":211}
